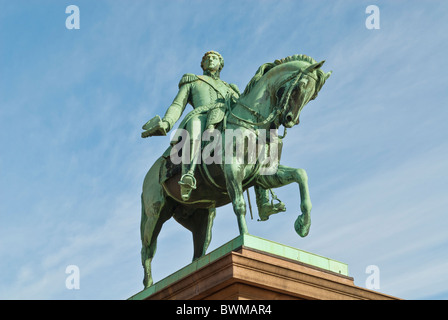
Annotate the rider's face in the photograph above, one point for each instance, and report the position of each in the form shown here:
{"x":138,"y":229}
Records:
{"x":212,"y":62}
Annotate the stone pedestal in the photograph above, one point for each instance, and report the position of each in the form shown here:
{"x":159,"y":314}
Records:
{"x":252,"y":268}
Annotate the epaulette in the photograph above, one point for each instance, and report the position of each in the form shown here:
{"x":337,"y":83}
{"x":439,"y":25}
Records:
{"x":187,"y":78}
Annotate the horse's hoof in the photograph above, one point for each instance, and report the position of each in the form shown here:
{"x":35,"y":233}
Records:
{"x":302,"y":227}
{"x":147,"y":282}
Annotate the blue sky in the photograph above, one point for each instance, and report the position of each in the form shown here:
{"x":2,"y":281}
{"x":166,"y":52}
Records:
{"x":72,"y":103}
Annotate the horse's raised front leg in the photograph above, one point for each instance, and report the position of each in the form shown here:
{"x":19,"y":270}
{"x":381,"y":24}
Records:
{"x":284,"y":176}
{"x":234,"y":181}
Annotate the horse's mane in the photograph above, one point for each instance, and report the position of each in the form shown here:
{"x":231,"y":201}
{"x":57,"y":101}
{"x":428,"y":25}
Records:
{"x":268,"y":66}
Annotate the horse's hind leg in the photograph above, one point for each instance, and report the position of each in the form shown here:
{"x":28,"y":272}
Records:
{"x":284,"y":176}
{"x":200,"y":224}
{"x":202,"y":235}
{"x":154,"y":213}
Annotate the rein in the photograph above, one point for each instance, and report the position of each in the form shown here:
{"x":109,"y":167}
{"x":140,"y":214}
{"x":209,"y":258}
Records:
{"x":277,"y":111}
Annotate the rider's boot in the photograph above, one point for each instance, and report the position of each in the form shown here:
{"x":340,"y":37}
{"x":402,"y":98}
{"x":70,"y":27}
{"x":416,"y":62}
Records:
{"x":188,"y":181}
{"x":266,"y":207}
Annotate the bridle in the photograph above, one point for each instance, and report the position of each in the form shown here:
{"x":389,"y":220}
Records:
{"x":279,"y":108}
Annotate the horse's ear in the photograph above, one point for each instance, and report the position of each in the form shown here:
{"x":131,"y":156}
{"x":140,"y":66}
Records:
{"x":315,"y":66}
{"x":328,"y":74}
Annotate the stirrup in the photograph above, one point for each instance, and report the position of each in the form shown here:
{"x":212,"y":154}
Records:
{"x":186,"y":188}
{"x":192,"y":185}
{"x":269,"y":209}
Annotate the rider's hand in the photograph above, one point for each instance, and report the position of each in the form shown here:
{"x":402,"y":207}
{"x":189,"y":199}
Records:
{"x":165,"y":125}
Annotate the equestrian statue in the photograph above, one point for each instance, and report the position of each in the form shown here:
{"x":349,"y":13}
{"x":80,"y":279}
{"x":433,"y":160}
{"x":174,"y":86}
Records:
{"x":227,"y":144}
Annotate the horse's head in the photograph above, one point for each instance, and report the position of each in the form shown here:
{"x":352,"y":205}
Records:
{"x":291,"y":83}
{"x":298,"y":89}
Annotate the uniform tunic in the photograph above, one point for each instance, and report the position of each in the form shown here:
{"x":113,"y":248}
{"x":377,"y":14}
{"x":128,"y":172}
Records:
{"x":203,"y":93}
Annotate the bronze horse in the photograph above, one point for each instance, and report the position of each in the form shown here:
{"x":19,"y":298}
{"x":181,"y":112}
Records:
{"x":275,"y":96}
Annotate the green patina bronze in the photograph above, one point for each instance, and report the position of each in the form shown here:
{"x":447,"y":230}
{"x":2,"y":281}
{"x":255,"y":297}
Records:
{"x":191,"y":191}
